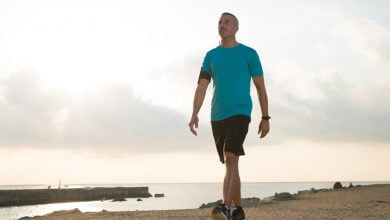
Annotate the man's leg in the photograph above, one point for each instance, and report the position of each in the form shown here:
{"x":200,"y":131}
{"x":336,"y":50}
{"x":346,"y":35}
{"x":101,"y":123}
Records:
{"x":226,"y":186}
{"x":232,"y":183}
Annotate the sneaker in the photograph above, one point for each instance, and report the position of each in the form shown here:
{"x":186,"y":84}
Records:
{"x":238,"y":213}
{"x":221,"y":212}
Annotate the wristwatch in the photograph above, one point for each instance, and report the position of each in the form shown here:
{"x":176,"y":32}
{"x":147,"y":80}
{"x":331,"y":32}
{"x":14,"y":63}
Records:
{"x":266,"y":117}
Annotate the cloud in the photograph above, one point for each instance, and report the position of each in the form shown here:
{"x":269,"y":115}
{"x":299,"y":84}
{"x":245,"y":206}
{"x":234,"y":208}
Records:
{"x":348,"y":112}
{"x":336,"y":91}
{"x":27,"y":111}
{"x":368,"y":40}
{"x":108,"y":118}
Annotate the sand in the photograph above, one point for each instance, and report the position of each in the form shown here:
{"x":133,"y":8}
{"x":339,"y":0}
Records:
{"x":359,"y":202}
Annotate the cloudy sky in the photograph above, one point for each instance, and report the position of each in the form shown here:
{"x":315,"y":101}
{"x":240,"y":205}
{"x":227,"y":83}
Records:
{"x":102,"y":91}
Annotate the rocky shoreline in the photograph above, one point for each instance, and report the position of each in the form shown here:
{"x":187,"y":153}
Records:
{"x":354,"y":202}
{"x":282,"y":196}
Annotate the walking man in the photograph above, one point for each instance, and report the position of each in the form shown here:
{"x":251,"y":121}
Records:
{"x":231,"y":66}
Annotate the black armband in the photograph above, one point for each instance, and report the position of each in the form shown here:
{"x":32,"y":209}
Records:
{"x":204,"y":75}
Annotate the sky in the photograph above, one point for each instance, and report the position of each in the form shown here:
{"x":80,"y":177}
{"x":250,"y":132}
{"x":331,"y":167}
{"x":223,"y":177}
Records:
{"x":102,"y":91}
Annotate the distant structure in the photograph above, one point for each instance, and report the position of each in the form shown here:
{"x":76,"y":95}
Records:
{"x":158,"y":195}
{"x":42,"y":196}
{"x":59,"y":184}
{"x":49,"y":187}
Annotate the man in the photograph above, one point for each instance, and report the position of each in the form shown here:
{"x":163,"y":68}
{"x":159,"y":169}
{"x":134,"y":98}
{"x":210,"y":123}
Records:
{"x":231,"y":65}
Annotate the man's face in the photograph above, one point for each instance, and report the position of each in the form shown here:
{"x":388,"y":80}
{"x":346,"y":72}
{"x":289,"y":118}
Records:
{"x":227,"y":26}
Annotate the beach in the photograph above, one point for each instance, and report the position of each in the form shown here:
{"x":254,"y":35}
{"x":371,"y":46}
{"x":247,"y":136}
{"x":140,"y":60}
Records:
{"x":358,"y":202}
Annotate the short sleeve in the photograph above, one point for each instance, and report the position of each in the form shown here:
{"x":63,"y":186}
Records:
{"x":206,"y":65}
{"x":255,"y":67}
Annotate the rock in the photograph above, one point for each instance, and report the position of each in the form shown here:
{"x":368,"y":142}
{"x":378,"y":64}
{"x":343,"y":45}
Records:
{"x":157,"y":195}
{"x":350,"y":185}
{"x":267,"y":200}
{"x":62,"y":212}
{"x":54,"y":214}
{"x":119,"y":199}
{"x":250,"y":202}
{"x":382,"y":201}
{"x":139,"y":199}
{"x":323,"y":190}
{"x":103,"y":210}
{"x":312,"y":190}
{"x":303,"y":192}
{"x":211,"y":204}
{"x":337,"y":185}
{"x":283,"y":196}
{"x":254,"y":201}
{"x":245,"y":202}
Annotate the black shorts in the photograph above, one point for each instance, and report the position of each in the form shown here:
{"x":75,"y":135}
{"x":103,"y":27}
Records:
{"x":229,"y":135}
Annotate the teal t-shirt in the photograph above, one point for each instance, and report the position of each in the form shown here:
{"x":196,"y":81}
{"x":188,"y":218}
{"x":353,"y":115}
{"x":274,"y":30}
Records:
{"x":231,"y":70}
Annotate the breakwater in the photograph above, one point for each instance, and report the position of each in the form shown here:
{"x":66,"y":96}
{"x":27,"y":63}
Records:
{"x":42,"y":196}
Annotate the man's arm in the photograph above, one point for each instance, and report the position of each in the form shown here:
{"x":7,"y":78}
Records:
{"x":200,"y":93}
{"x":263,"y":100}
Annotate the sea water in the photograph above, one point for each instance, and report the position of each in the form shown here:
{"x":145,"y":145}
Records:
{"x":177,"y":196}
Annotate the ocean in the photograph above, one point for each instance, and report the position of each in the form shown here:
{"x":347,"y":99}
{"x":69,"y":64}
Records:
{"x":177,"y":196}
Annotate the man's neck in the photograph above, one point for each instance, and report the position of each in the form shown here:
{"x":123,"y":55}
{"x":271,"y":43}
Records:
{"x":229,"y":42}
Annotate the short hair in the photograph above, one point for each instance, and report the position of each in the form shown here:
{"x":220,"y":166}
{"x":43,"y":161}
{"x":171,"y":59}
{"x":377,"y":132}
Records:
{"x":234,"y":17}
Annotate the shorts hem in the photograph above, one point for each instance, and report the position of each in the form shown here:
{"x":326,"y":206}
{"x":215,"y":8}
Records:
{"x":222,"y":160}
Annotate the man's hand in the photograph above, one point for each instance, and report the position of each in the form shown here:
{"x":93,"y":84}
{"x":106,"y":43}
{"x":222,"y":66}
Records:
{"x":263,"y":128}
{"x":194,"y":121}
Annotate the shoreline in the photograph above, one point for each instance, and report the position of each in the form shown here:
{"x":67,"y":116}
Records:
{"x":357,"y":202}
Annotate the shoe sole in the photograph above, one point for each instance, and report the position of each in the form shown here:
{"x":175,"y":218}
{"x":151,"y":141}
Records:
{"x":218,"y":216}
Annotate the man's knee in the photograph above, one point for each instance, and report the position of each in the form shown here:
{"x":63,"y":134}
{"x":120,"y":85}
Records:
{"x":231,"y":158}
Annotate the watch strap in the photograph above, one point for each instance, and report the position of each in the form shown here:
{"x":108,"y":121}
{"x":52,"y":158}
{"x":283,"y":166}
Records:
{"x":266,"y":117}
